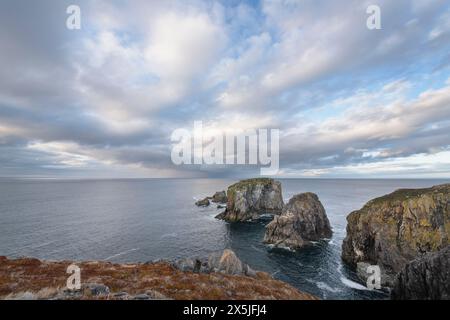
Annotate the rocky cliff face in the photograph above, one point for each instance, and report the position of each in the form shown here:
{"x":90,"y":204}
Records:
{"x":425,"y":278}
{"x":302,"y":220}
{"x":249,"y":199}
{"x":392,"y":230}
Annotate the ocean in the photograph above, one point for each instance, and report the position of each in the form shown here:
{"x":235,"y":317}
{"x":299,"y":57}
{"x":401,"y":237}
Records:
{"x":139,"y":220}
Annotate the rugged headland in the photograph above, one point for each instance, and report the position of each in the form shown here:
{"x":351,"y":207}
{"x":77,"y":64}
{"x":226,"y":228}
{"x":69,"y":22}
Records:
{"x":221,"y":276}
{"x":398,"y":228}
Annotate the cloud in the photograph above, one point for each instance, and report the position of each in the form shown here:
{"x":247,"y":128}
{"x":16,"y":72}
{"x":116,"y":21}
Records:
{"x":106,"y":98}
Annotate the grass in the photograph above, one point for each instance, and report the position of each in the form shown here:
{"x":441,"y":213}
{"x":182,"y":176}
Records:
{"x":45,"y":279}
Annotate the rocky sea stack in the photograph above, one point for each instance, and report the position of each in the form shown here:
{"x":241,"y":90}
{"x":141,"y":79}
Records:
{"x":302,"y":220}
{"x":393,"y":230}
{"x":249,"y":199}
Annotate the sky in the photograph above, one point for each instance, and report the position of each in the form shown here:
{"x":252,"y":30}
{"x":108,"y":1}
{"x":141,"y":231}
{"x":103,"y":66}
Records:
{"x":103,"y":101}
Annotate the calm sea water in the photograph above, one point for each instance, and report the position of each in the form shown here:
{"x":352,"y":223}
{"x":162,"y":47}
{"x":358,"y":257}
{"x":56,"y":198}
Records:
{"x":142,"y":220}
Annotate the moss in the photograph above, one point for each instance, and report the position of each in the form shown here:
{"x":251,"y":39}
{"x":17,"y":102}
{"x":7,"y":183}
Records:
{"x":248,"y":182}
{"x":402,"y":194}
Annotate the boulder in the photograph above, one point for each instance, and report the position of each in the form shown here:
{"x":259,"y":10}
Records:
{"x":425,"y":278}
{"x":141,"y":296}
{"x":393,"y":230}
{"x":302,"y":220}
{"x":219,"y":197}
{"x":250,"y":199}
{"x":122,"y":295}
{"x":203,"y":203}
{"x":224,"y":262}
{"x":187,"y":264}
{"x":95,"y":289}
{"x":229,"y":263}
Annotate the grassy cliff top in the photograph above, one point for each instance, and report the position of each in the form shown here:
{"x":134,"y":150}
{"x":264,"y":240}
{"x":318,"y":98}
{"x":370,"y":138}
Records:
{"x":401,"y":195}
{"x":253,"y":181}
{"x":44,"y":279}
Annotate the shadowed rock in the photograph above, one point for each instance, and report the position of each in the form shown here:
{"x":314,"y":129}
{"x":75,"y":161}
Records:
{"x":426,"y":278}
{"x":203,"y":203}
{"x":302,"y":220}
{"x":219,"y":197}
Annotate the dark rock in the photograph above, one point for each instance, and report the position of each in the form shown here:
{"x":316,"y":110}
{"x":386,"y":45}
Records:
{"x":95,"y":289}
{"x":121,"y":295}
{"x":185,"y":264}
{"x":141,"y":296}
{"x":221,"y":206}
{"x":425,"y":278}
{"x":219,"y":197}
{"x":197,"y":266}
{"x":302,"y":220}
{"x":252,"y":198}
{"x":203,"y":203}
{"x":393,"y":230}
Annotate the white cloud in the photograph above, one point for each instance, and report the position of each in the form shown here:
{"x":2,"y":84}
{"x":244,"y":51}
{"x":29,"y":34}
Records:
{"x":182,"y":46}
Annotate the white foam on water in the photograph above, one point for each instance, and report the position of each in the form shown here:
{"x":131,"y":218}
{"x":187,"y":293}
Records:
{"x":354,"y":285}
{"x":257,"y":249}
{"x":121,"y":253}
{"x":169,"y":235}
{"x":324,"y":286}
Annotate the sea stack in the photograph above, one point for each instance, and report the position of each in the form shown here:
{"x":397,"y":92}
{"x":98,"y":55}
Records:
{"x":252,"y":198}
{"x":393,"y":230}
{"x":302,"y":220}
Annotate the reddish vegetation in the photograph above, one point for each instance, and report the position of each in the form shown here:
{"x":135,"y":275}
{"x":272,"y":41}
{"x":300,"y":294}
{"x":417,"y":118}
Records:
{"x":44,"y":279}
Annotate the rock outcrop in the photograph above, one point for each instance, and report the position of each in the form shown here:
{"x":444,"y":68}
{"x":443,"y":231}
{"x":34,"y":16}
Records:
{"x":224,"y":262}
{"x":219,"y":197}
{"x":302,"y":220}
{"x":203,"y":203}
{"x":31,"y":279}
{"x":425,"y":278}
{"x":392,"y":230}
{"x":252,"y":198}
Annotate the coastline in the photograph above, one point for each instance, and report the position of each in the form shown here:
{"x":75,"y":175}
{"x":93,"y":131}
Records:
{"x":33,"y":279}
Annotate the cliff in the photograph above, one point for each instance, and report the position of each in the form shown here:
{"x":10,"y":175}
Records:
{"x":392,"y":230}
{"x":426,"y":278}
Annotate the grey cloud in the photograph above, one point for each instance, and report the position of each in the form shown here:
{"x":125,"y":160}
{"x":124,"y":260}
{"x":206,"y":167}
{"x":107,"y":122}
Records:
{"x":51,"y":91}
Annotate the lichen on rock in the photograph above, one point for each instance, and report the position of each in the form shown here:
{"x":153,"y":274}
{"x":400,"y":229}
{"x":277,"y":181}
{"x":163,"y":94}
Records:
{"x":252,"y":198}
{"x":392,"y":230}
